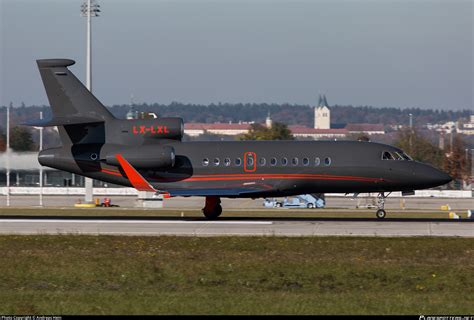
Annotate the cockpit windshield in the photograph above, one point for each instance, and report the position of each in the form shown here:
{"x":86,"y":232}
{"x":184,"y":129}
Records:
{"x":387,"y":156}
{"x":406,"y":157}
{"x":398,"y":156}
{"x":395,"y":155}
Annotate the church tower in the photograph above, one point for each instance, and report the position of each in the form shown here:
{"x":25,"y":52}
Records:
{"x":268,"y":121}
{"x":322,"y":114}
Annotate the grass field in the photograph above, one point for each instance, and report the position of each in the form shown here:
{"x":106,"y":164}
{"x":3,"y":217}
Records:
{"x":265,"y":213}
{"x":232,"y":275}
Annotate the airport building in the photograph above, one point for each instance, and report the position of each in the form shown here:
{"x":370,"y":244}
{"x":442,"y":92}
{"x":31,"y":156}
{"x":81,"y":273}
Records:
{"x":466,"y":128}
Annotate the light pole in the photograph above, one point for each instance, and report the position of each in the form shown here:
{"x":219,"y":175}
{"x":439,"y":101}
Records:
{"x":41,"y":167}
{"x":411,"y":133}
{"x":8,"y":154}
{"x":89,"y":9}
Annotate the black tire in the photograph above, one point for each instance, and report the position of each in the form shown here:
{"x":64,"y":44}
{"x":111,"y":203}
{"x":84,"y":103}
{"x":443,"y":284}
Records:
{"x":310,"y":206}
{"x":380,"y":213}
{"x":279,"y":204}
{"x":214,"y":213}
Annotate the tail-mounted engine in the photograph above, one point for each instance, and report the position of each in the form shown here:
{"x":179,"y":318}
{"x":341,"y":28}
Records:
{"x":144,"y":157}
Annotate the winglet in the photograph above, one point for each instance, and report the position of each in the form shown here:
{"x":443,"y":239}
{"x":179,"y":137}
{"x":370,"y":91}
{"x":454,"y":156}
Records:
{"x":135,"y":178}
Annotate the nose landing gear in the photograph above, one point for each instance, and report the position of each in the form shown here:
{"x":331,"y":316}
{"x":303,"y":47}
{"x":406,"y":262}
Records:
{"x":380,"y":214}
{"x":212,"y":209}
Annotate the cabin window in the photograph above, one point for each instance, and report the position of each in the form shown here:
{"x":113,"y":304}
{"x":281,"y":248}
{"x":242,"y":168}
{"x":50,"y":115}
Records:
{"x":317,"y":161}
{"x":216,"y":161}
{"x":284,"y":161}
{"x":205,"y":162}
{"x":238,"y":162}
{"x":305,"y":161}
{"x":262,"y":162}
{"x":294,"y":161}
{"x":227,"y":162}
{"x":249,"y":161}
{"x":387,"y":156}
{"x":273,"y":161}
{"x":327,"y":161}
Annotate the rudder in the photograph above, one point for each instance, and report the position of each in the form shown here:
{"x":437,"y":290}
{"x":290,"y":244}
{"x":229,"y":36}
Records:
{"x":68,"y":97}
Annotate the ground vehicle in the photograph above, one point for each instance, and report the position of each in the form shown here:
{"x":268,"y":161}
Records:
{"x":300,"y":201}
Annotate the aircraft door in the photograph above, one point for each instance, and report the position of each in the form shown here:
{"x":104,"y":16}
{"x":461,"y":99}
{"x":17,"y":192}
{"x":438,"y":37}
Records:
{"x":250,"y":161}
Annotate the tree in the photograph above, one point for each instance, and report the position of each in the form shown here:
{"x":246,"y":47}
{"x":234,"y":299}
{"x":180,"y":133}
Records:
{"x":278,"y":131}
{"x":20,"y":139}
{"x":455,"y":162}
{"x":419,"y":148}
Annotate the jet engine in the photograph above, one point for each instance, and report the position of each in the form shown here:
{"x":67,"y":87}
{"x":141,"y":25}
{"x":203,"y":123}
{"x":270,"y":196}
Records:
{"x":144,"y":157}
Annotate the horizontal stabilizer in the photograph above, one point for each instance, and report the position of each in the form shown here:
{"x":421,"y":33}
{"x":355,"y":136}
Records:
{"x":60,"y":121}
{"x":55,"y":63}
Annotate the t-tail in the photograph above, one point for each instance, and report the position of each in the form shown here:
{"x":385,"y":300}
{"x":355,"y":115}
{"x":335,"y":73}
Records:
{"x":74,"y":107}
{"x":92,"y":137}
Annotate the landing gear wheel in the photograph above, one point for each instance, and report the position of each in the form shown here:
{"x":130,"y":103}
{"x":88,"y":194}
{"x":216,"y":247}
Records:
{"x":310,"y":206}
{"x":212,"y":208}
{"x":380,"y":213}
{"x":214,"y":213}
{"x":279,"y":205}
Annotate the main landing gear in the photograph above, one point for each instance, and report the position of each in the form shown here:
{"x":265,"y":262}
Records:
{"x":380,"y":205}
{"x":212,"y":209}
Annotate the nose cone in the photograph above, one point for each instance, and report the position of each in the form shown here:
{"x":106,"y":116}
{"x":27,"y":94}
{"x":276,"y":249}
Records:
{"x":431,"y":177}
{"x":444,"y":178}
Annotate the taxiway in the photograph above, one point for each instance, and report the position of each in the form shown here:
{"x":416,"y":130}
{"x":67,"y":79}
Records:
{"x":236,"y":227}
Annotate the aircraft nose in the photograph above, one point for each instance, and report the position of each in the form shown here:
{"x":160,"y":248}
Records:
{"x":433,"y":177}
{"x":443,"y":177}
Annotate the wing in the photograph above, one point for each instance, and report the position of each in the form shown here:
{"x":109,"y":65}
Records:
{"x":227,"y":192}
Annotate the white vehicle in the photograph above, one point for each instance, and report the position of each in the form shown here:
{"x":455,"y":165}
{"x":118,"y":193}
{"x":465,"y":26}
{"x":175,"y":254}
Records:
{"x":301,"y":201}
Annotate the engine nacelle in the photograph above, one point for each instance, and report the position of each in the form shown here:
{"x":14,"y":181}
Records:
{"x":144,"y":157}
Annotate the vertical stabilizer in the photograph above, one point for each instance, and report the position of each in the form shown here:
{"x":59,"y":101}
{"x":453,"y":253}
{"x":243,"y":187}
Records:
{"x":70,"y":100}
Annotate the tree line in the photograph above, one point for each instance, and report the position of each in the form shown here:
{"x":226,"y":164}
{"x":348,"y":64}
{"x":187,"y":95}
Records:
{"x":287,"y":113}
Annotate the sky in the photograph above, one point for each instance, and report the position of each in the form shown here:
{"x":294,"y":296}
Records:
{"x":384,"y":53}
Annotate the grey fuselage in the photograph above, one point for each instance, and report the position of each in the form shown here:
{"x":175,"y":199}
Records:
{"x":310,"y":167}
{"x":149,"y":154}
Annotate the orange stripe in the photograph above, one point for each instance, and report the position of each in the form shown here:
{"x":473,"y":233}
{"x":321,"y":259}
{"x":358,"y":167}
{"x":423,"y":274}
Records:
{"x":112,"y":172}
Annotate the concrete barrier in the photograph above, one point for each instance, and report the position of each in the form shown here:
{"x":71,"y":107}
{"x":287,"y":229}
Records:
{"x":73,"y":191}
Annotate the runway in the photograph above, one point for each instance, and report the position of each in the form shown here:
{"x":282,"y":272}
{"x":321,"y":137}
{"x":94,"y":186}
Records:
{"x":293,"y":227}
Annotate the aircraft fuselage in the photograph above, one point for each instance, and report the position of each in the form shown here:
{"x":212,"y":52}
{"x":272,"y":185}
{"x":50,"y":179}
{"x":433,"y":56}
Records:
{"x":269,"y":168}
